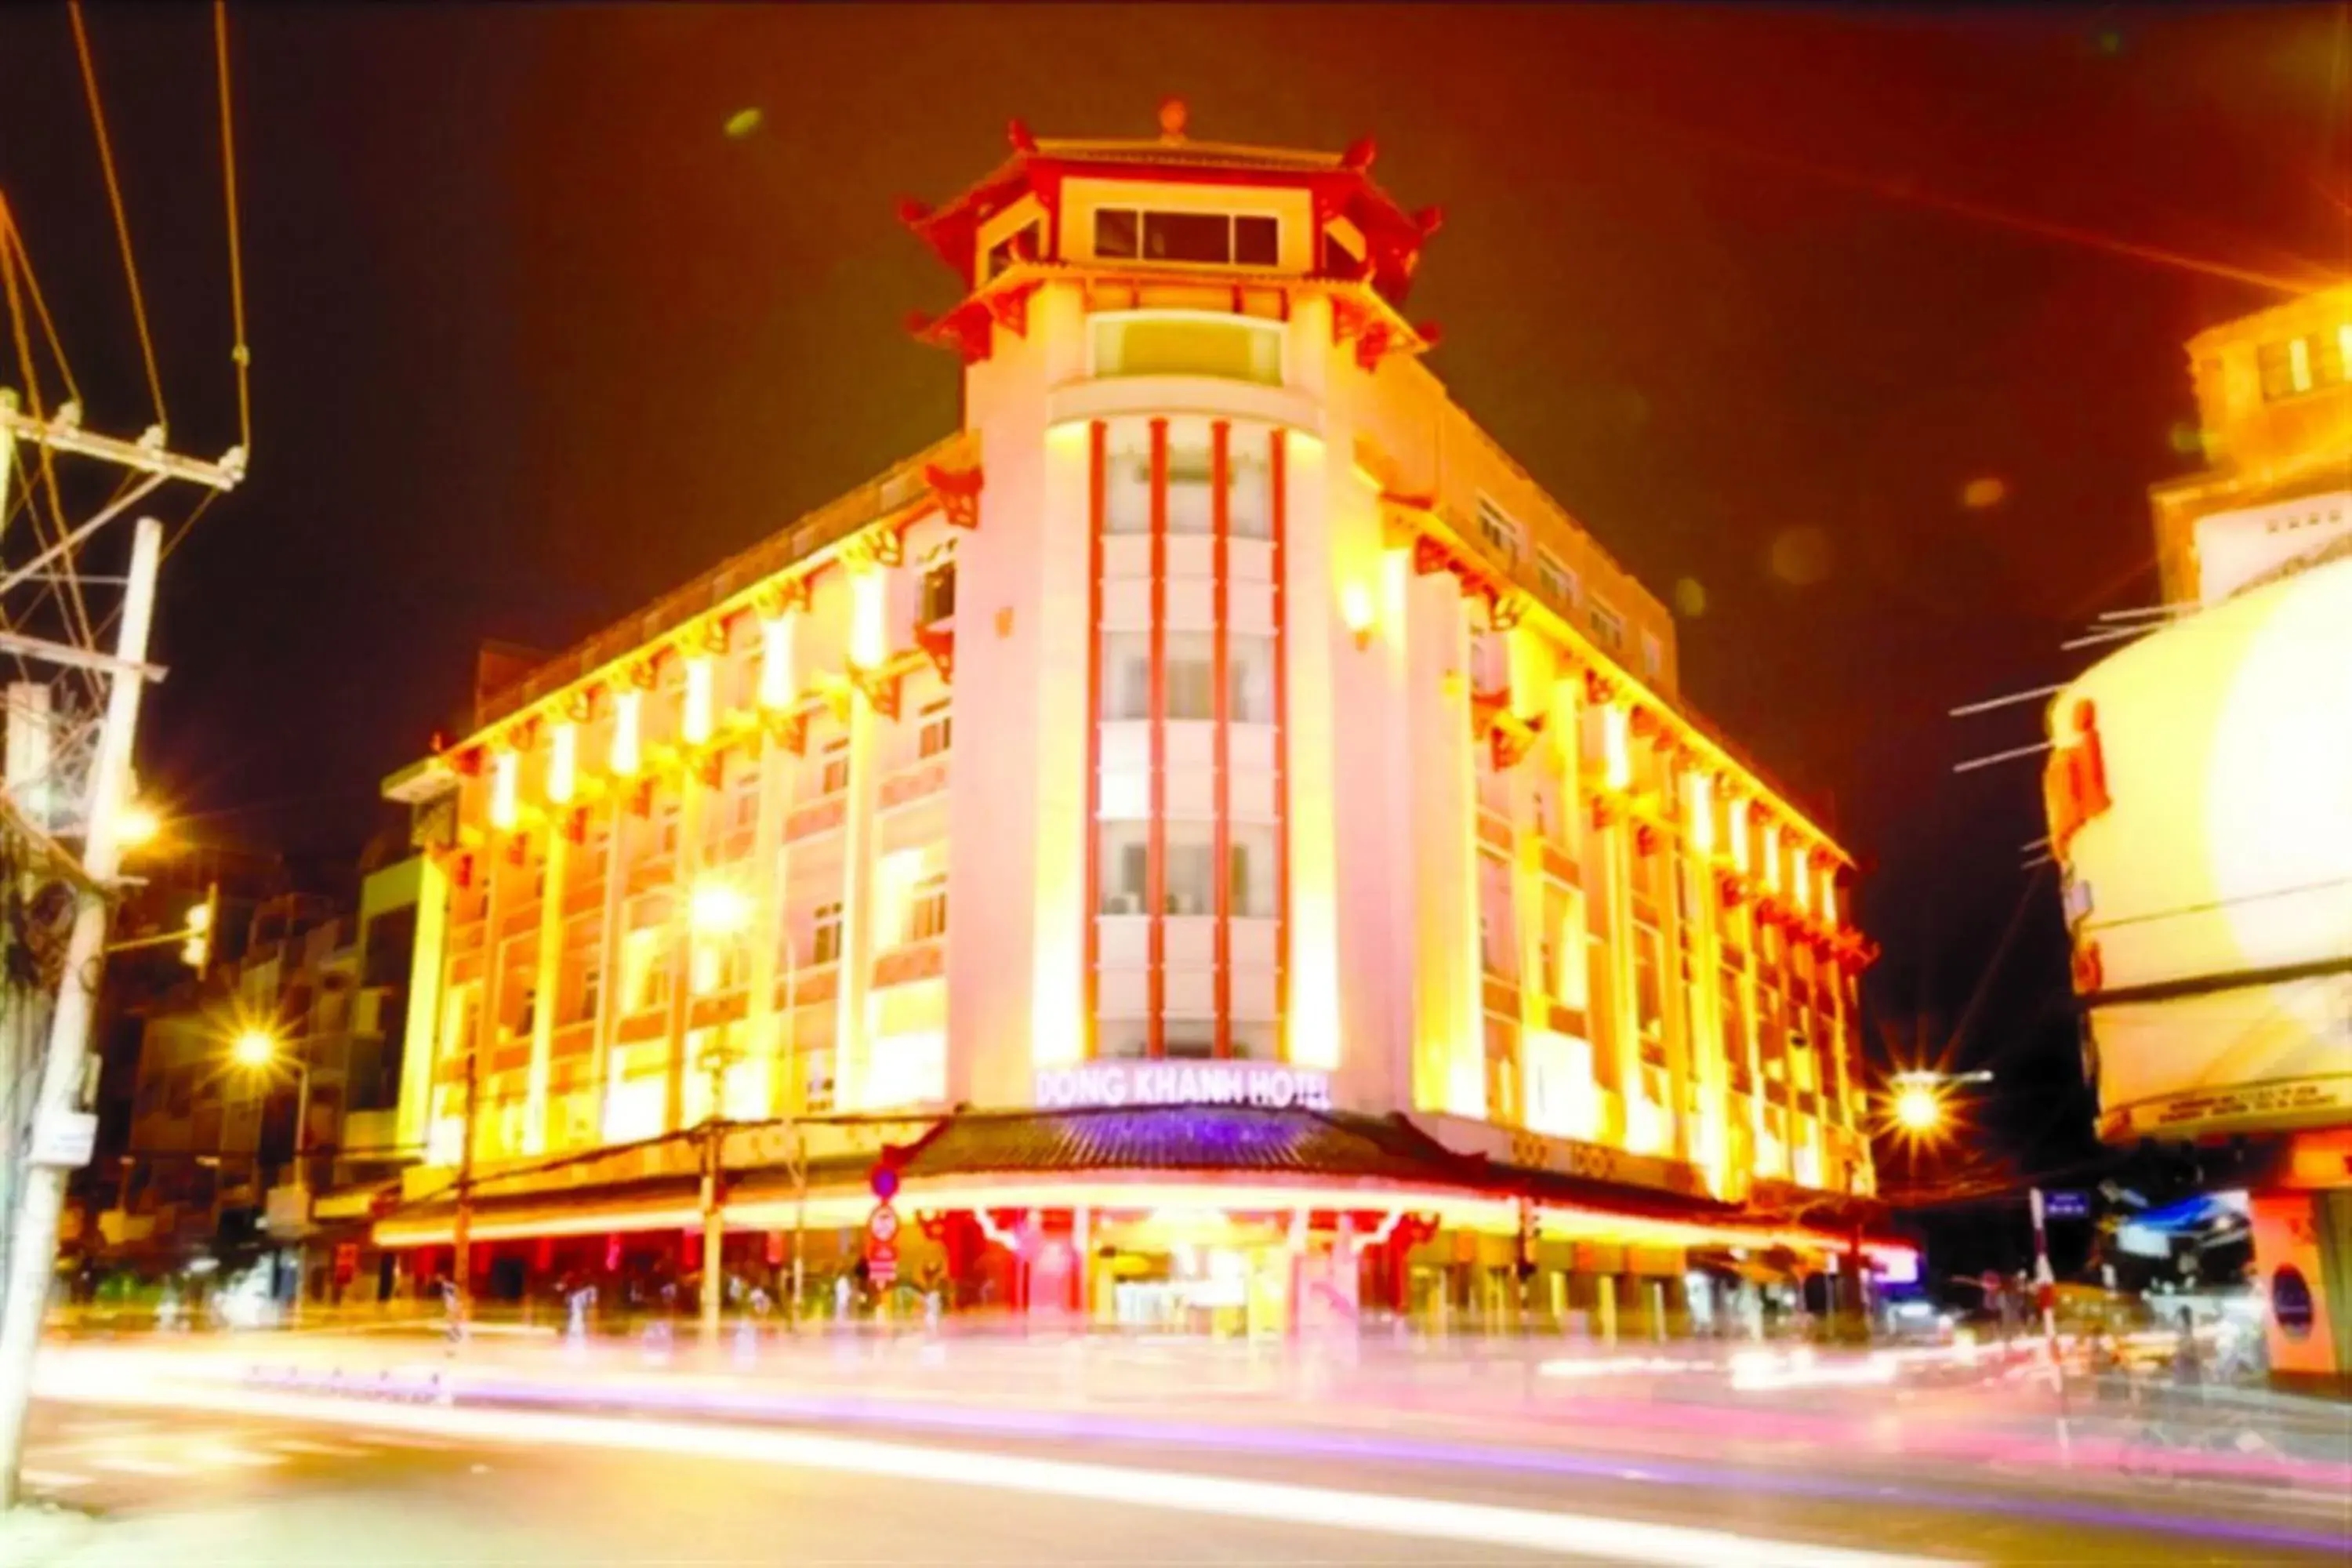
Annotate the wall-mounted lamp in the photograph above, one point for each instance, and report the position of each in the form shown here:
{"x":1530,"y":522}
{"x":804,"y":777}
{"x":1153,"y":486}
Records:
{"x":1356,"y":610}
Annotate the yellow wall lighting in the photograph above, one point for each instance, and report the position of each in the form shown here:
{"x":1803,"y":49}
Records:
{"x":1771,"y":857}
{"x":505,"y":771}
{"x":867,"y":639}
{"x":695,"y":724}
{"x":1702,"y":813}
{"x":628,"y":713}
{"x":562,"y":762}
{"x":776,"y":662}
{"x":1617,"y":750}
{"x":1356,"y":612}
{"x":1738,"y":813}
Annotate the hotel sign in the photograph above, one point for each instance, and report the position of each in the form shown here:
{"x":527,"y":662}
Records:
{"x":1272,"y":1085}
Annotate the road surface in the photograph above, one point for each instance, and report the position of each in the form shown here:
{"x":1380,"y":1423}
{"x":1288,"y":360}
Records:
{"x":262,"y":1479}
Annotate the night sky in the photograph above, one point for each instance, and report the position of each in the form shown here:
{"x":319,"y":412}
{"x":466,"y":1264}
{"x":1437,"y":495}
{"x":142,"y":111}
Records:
{"x":1831,"y":315}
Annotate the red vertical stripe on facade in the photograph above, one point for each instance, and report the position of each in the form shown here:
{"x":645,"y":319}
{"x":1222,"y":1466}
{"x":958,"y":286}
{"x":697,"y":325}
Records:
{"x":1278,"y":483}
{"x":1097,"y":479}
{"x":1221,"y":851}
{"x":1155,"y":881}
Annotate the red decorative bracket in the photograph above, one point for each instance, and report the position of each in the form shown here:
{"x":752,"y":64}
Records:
{"x":790,"y":731}
{"x":1513,"y":740}
{"x":881,"y":689}
{"x":938,"y":644}
{"x":1508,"y":611}
{"x":710,"y":768}
{"x":1430,"y":557}
{"x":575,"y":827}
{"x":1646,"y":838}
{"x":1733,"y":888}
{"x":1009,"y":307}
{"x":641,"y":798}
{"x":1598,"y":688}
{"x":958,"y":493}
{"x":775,"y":598}
{"x":581,"y":706}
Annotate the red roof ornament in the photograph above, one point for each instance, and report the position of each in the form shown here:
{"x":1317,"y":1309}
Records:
{"x":1173,"y":117}
{"x":911,"y":212}
{"x":1360,"y":154}
{"x":1018,"y":134}
{"x":1429,"y":220}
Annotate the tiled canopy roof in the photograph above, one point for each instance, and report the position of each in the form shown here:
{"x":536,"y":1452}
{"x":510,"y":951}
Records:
{"x":1184,"y":1138}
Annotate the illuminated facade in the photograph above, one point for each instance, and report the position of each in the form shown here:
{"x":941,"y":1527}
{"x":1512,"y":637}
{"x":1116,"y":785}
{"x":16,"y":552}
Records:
{"x":1220,"y":724}
{"x":2196,"y":790}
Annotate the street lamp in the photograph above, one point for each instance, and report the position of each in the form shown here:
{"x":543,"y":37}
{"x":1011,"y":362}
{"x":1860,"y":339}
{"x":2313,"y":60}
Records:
{"x":1918,"y":1109}
{"x":256,"y":1047}
{"x":136,"y":824}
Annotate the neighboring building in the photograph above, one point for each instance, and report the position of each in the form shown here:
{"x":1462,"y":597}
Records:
{"x":1214,"y":793}
{"x":212,"y":1159}
{"x":2196,"y":794}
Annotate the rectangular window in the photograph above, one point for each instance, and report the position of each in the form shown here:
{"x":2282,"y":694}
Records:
{"x":743,"y":802}
{"x":1126,"y":675}
{"x":2286,"y":369}
{"x":1123,"y":867}
{"x":1607,"y":626}
{"x":590,"y":994}
{"x":1555,"y":579}
{"x":1117,"y":232}
{"x":645,"y":968}
{"x":1498,"y":936}
{"x":1018,"y":245}
{"x":666,"y":830}
{"x":933,"y":738}
{"x":1190,"y":670}
{"x":1127,"y":481}
{"x":938,"y":592}
{"x":1490,"y":661}
{"x":1249,"y":676}
{"x":1251,"y":873}
{"x":1191,"y":869}
{"x":1257,"y":241}
{"x":1649,"y":983}
{"x":833,"y":776}
{"x":1653,"y":656}
{"x":1187,"y":236}
{"x":1190,"y":491}
{"x":1218,"y":239}
{"x":1501,"y":533}
{"x":927,"y":910}
{"x":1249,"y":503}
{"x":824,"y":933}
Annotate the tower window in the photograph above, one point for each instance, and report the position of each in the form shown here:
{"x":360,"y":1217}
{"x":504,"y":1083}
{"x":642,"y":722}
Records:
{"x":1257,"y":241}
{"x":1116,"y":231}
{"x":1187,"y":236}
{"x":1216,"y":239}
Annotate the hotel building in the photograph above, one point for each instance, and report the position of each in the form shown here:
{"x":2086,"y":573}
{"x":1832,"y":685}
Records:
{"x":1213,"y":814}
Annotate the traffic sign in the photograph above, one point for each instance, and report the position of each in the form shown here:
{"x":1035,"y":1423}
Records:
{"x":882,"y":1244}
{"x":2067,"y":1205}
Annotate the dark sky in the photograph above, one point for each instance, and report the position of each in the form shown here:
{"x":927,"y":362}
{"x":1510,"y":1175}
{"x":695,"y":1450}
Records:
{"x":535,"y":340}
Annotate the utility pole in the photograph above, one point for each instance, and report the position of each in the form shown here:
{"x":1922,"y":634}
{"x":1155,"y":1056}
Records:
{"x":61,"y":1129}
{"x":461,"y":1227}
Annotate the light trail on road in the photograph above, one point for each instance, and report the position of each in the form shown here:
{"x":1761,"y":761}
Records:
{"x":1429,"y":1519}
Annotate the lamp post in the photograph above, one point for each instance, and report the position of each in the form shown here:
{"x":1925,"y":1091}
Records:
{"x":717,"y":913}
{"x":258,"y":1049}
